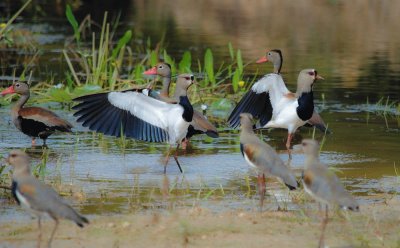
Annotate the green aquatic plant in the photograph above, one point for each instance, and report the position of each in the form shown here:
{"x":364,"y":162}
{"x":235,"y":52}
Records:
{"x":74,"y":23}
{"x":209,"y":67}
{"x":40,"y":170}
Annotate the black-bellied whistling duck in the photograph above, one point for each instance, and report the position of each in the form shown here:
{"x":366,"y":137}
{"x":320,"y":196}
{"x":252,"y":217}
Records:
{"x":276,"y":107}
{"x":323,"y":185}
{"x":138,"y":116}
{"x":263,"y":157}
{"x":37,"y":197}
{"x":200,"y":124}
{"x":35,"y":122}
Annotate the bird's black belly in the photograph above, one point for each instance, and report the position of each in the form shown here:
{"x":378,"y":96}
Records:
{"x":35,"y":128}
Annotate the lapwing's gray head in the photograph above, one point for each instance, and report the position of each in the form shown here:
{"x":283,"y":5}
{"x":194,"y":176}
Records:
{"x":17,"y":87}
{"x":310,"y":146}
{"x":306,"y":79}
{"x":184,"y":81}
{"x":20,"y":161}
{"x":161,"y":69}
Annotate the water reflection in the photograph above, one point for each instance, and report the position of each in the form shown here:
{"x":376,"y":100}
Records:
{"x":357,"y":53}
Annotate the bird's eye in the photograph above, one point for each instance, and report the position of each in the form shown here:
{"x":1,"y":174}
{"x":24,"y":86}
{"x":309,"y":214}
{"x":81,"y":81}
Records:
{"x":304,"y":144}
{"x":13,"y":155}
{"x":160,"y":67}
{"x":17,"y":85}
{"x":191,"y":78}
{"x":311,"y":73}
{"x":269,"y":54}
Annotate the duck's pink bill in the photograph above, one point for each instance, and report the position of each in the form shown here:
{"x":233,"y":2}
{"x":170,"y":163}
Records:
{"x":9,"y":90}
{"x":152,"y":71}
{"x":262,"y":60}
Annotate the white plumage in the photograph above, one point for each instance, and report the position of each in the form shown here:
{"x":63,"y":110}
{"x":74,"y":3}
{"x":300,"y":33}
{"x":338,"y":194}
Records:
{"x":157,"y":113}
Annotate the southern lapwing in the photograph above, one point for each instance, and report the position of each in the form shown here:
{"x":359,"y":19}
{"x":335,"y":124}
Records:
{"x":323,"y":185}
{"x":37,"y":197}
{"x":264,"y":97}
{"x":35,"y":122}
{"x":200,"y":123}
{"x":263,"y":158}
{"x":271,"y":102}
{"x":135,"y":115}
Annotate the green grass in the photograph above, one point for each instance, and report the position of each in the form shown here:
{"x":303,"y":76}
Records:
{"x":105,"y":62}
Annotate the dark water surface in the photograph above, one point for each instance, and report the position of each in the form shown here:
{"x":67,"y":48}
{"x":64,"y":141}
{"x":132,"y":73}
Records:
{"x":354,"y":45}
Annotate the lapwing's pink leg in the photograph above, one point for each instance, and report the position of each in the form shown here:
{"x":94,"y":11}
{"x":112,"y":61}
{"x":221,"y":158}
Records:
{"x":40,"y":232}
{"x":52,"y":233}
{"x":288,"y":142}
{"x":324,"y":223}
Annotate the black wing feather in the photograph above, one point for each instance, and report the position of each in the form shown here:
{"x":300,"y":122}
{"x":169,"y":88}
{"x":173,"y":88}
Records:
{"x":259,"y":105}
{"x":97,"y":113}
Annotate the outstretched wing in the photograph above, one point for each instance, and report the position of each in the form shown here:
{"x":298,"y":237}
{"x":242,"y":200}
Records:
{"x":260,"y":100}
{"x":130,"y":113}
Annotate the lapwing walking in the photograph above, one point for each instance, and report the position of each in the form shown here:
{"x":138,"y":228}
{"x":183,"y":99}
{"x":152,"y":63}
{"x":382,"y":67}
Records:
{"x":323,"y":185}
{"x":37,"y":197}
{"x":263,"y":158}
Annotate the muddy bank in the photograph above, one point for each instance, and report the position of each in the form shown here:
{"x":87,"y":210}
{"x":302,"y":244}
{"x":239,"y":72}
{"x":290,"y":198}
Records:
{"x":376,"y":225}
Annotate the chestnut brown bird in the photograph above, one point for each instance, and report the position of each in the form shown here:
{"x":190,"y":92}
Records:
{"x":323,"y":185}
{"x":37,"y":197}
{"x":35,"y":122}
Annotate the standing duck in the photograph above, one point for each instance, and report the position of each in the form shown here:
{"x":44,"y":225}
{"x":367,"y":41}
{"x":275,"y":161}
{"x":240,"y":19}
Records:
{"x":37,"y":197}
{"x":262,"y":157}
{"x":258,"y":100}
{"x":200,"y":124}
{"x":323,"y":185}
{"x":35,"y":122}
{"x":138,"y":116}
{"x":276,"y":107}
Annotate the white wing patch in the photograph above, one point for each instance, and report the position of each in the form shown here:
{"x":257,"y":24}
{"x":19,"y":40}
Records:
{"x":273,"y":84}
{"x":145,"y":108}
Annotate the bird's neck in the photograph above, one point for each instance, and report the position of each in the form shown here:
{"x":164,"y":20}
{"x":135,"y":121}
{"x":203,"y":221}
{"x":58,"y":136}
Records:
{"x":246,"y":133}
{"x":187,"y":108}
{"x":166,"y":83}
{"x":306,"y":105}
{"x":21,"y":101}
{"x":312,"y":159}
{"x":21,"y":172}
{"x":19,"y":105}
{"x":302,"y":88}
{"x":246,"y":129}
{"x":278,"y":66}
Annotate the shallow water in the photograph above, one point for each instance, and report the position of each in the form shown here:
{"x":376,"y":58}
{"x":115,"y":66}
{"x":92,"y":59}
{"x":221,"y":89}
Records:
{"x":357,"y":65}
